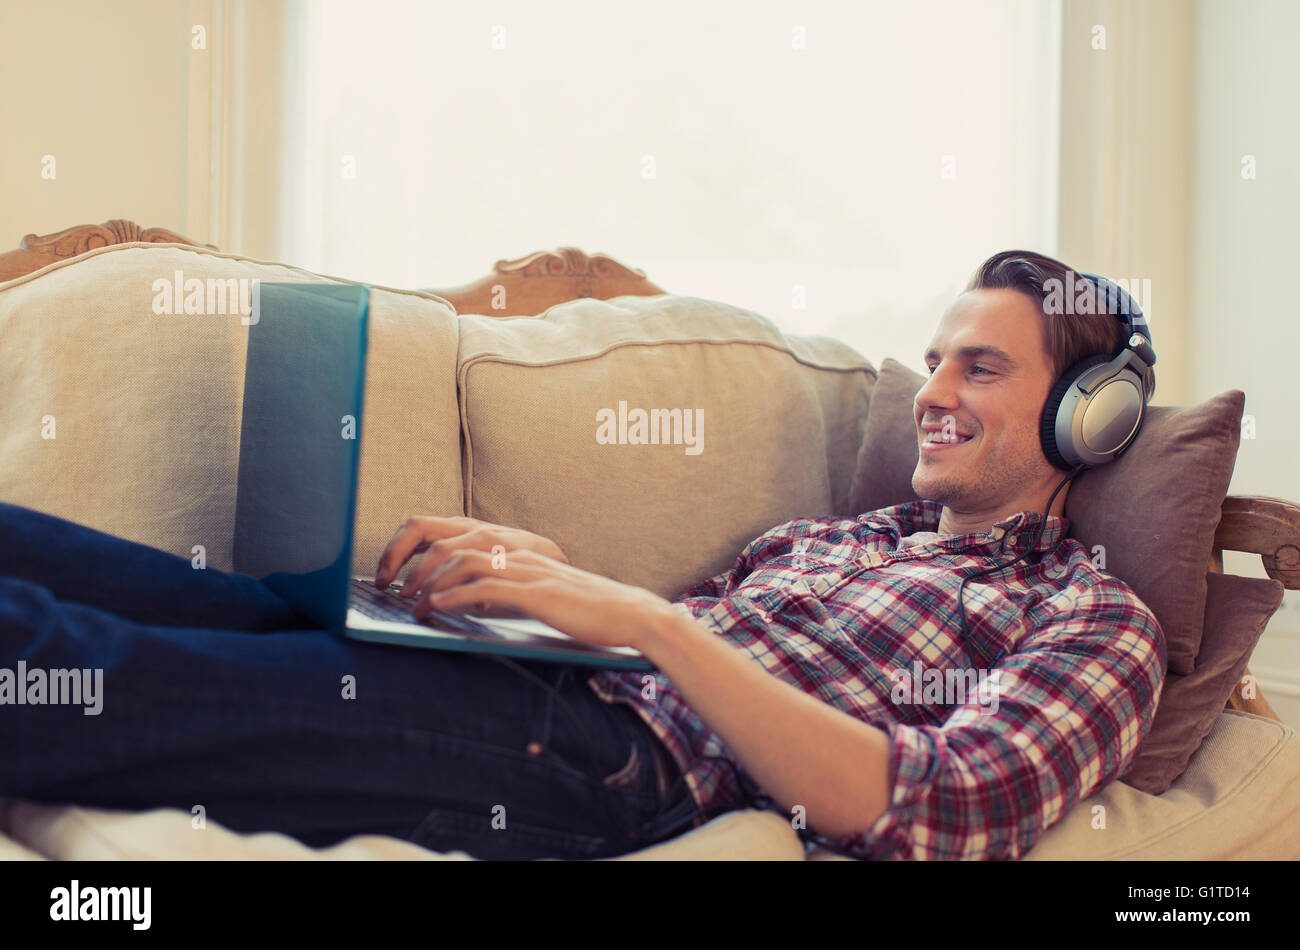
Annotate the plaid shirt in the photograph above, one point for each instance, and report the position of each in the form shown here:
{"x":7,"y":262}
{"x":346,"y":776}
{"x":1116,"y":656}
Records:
{"x":1065,"y":668}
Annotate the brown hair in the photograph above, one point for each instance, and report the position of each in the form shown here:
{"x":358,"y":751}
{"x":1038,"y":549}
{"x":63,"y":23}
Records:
{"x":1070,"y":336}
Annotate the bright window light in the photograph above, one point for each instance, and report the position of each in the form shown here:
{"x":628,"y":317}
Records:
{"x":841,"y":170}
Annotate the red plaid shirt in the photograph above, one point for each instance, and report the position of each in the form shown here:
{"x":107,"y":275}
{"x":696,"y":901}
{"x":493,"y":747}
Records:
{"x":1071,"y":665}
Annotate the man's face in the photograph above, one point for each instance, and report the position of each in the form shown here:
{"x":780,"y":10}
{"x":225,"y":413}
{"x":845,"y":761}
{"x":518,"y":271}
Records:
{"x":989,"y":378}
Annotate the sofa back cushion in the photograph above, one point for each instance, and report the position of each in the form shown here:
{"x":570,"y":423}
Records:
{"x":126,"y":419}
{"x":653,"y":437}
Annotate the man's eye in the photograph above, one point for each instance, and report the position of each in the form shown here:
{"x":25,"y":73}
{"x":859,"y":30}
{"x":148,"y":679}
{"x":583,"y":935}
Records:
{"x":973,"y":369}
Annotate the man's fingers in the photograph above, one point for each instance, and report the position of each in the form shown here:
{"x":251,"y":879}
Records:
{"x":463,"y":569}
{"x":411,"y":538}
{"x":486,"y":590}
{"x":438,"y":553}
{"x":484,"y":539}
{"x":400,"y":546}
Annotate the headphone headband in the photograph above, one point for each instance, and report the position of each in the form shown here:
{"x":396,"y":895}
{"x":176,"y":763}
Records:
{"x":1119,"y":302}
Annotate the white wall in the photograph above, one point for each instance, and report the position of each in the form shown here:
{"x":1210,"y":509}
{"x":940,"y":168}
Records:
{"x":145,"y":120}
{"x":1243,"y":317}
{"x":102,"y":88}
{"x":1125,"y":108}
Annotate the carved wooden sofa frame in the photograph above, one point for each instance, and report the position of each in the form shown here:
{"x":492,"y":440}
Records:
{"x":1269,"y":527}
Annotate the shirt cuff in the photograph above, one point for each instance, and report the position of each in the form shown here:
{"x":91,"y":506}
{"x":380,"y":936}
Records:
{"x":914,"y":758}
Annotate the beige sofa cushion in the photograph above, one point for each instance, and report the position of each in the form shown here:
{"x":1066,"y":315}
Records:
{"x":1239,"y":799}
{"x":146,"y":406}
{"x":782,"y":416}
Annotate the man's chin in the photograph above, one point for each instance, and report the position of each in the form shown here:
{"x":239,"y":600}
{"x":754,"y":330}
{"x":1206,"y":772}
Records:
{"x":942,"y":490}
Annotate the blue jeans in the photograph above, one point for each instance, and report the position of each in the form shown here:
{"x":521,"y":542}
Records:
{"x":218,"y":695}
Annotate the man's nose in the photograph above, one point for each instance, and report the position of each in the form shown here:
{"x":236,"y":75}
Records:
{"x":938,"y":390}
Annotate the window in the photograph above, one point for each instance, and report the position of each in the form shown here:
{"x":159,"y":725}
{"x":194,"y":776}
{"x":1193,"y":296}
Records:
{"x":839,"y":169}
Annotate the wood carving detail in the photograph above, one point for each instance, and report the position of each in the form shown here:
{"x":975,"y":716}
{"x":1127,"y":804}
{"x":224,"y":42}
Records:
{"x":1267,"y":526}
{"x":86,"y":237}
{"x":568,"y":262}
{"x":39,"y":250}
{"x":531,"y":284}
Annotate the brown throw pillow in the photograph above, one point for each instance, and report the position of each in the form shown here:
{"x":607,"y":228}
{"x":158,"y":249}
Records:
{"x":889,"y":452}
{"x":1153,"y":511}
{"x":1236,"y":611}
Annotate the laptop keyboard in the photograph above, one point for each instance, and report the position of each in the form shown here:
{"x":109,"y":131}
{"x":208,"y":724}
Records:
{"x":386,"y":605}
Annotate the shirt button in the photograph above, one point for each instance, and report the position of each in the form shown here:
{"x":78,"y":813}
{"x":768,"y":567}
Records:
{"x":1011,"y":539}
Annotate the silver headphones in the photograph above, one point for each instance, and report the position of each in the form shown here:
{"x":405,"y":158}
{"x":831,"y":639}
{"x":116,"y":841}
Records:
{"x":1095,"y":410}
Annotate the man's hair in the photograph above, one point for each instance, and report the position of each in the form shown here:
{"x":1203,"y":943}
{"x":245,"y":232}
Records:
{"x":1070,"y":336}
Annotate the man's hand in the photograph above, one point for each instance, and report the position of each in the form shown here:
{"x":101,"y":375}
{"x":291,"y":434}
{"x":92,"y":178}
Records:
{"x":440,"y":537}
{"x":586,"y":606}
{"x":842,"y":779}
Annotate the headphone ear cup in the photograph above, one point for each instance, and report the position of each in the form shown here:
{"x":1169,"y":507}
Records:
{"x":1052,"y":408}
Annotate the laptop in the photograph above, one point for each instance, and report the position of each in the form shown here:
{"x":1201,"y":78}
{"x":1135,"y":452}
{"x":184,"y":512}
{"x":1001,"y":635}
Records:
{"x":299,"y":457}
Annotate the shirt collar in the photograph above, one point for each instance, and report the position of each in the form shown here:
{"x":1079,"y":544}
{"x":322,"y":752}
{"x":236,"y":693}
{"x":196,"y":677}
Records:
{"x":1013,"y":534}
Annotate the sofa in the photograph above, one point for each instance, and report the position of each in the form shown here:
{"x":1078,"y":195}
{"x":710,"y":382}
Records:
{"x":494,"y":424}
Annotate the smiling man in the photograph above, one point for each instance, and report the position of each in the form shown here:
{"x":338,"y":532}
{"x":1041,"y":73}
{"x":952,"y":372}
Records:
{"x":993,"y":360}
{"x":781,"y":668}
{"x":980,"y":453}
{"x":778,"y":680}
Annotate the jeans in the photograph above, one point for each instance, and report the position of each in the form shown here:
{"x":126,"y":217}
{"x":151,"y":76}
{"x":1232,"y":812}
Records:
{"x":217,"y":695}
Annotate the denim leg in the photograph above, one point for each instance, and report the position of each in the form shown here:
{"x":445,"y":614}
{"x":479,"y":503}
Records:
{"x":315,"y":736}
{"x":650,"y":813}
{"x":133,"y":581}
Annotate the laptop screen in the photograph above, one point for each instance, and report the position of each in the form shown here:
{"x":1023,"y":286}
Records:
{"x":299,"y":444}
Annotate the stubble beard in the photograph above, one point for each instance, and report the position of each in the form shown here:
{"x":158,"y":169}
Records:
{"x":979,"y":485}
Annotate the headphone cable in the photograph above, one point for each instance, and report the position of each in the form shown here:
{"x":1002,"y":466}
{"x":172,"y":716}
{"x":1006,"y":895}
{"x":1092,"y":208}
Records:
{"x":1038,"y":533}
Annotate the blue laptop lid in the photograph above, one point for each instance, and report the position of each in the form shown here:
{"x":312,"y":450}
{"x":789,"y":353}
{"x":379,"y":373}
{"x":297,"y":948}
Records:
{"x":299,"y":444}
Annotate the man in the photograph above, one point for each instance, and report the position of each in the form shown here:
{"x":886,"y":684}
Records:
{"x":788,"y":673}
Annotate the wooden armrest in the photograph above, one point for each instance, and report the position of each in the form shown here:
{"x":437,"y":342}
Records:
{"x":530,"y":285}
{"x":1257,"y":704}
{"x":35,"y":251}
{"x":1269,"y":527}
